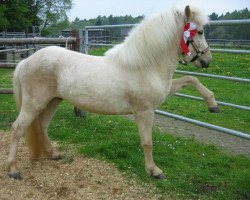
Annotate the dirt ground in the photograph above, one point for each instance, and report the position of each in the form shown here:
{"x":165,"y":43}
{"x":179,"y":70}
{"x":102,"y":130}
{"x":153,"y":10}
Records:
{"x":74,"y":177}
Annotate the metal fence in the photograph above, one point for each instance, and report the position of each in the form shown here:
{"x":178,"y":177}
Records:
{"x":71,"y":42}
{"x":36,"y":32}
{"x":89,"y":44}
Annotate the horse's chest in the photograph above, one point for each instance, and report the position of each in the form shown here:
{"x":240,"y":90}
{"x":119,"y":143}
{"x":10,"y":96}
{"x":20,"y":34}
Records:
{"x":152,"y":93}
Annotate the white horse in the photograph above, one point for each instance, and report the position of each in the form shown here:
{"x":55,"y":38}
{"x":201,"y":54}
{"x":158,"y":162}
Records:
{"x":132,"y":78}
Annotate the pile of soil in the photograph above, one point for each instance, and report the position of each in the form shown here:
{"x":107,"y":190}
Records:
{"x":73,"y":177}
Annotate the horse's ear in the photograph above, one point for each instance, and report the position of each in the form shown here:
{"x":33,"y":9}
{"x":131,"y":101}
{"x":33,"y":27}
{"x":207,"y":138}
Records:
{"x":188,"y":13}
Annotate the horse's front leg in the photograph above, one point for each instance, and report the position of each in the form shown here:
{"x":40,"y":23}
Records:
{"x":145,"y":122}
{"x":207,"y":95}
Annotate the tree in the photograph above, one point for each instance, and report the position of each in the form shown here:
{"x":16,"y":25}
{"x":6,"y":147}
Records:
{"x":99,"y":21}
{"x":236,"y":32}
{"x":213,"y":16}
{"x":52,"y":12}
{"x":16,"y":15}
{"x":3,"y":20}
{"x":19,"y":15}
{"x":55,"y":29}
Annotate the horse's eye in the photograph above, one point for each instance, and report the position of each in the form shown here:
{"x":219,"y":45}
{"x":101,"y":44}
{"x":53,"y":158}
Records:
{"x":200,"y":32}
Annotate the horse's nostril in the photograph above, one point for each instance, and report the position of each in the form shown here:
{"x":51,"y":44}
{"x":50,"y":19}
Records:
{"x":204,"y":64}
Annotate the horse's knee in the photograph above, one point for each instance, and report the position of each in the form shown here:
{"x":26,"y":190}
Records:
{"x":16,"y":131}
{"x":192,"y":80}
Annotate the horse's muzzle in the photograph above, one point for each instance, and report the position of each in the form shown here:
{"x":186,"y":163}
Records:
{"x":204,"y":64}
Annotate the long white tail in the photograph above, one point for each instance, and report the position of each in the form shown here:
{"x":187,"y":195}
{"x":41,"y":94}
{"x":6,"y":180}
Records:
{"x":34,"y":133}
{"x":17,"y":87}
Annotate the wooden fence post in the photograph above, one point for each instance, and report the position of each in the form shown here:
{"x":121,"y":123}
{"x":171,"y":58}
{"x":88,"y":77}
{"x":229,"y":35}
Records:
{"x":75,"y":47}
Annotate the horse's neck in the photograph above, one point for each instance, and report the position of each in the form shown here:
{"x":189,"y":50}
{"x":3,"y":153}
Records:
{"x":154,"y":45}
{"x":170,"y":56}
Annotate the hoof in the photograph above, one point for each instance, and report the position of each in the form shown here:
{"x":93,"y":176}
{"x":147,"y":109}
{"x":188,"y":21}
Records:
{"x":58,"y":157}
{"x":160,"y":176}
{"x":214,"y":110}
{"x":15,"y":176}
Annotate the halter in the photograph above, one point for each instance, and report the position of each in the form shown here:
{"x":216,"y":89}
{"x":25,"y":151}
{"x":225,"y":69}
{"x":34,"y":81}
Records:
{"x":189,"y":32}
{"x":197,"y":50}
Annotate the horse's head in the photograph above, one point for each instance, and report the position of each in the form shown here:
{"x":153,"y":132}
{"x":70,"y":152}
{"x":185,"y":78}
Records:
{"x":193,"y":44}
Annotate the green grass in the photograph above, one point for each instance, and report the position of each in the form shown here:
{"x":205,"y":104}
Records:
{"x":194,"y":170}
{"x":6,"y":78}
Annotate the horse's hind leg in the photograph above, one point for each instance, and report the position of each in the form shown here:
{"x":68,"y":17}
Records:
{"x":45,"y":118}
{"x":207,"y":95}
{"x":24,"y":119}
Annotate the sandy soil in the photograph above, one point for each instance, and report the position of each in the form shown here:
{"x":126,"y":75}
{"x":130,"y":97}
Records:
{"x":74,"y":177}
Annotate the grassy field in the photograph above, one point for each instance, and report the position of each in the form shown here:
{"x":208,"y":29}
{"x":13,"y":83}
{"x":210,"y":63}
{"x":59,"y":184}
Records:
{"x":194,"y":170}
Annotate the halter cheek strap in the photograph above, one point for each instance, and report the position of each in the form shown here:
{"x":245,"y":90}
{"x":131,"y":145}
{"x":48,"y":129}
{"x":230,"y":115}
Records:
{"x":198,"y":52}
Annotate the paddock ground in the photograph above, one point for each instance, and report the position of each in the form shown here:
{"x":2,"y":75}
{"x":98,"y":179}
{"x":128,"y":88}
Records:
{"x":73,"y":177}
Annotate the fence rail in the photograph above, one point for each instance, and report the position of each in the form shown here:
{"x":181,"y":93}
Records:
{"x":219,"y":102}
{"x":200,"y":123}
{"x":229,"y":78}
{"x":7,"y":65}
{"x":23,"y":34}
{"x":37,"y":40}
{"x":74,"y":41}
{"x":16,"y":47}
{"x":230,"y":22}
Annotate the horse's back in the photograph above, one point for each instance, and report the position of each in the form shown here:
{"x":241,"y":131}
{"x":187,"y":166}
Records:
{"x":89,"y":82}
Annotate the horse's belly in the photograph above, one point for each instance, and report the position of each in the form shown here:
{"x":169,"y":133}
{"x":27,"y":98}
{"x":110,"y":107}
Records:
{"x":102,"y":106}
{"x":97,"y":98}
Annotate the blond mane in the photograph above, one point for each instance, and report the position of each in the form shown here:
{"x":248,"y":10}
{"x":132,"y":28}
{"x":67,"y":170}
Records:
{"x":155,"y":36}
